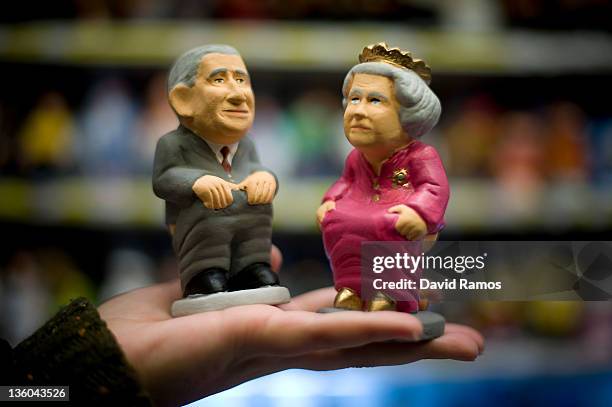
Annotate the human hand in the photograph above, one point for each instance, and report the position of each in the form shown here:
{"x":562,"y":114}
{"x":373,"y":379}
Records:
{"x":183,"y":359}
{"x":260,"y":187}
{"x":323,"y":209}
{"x":214,"y":192}
{"x":409,"y":223}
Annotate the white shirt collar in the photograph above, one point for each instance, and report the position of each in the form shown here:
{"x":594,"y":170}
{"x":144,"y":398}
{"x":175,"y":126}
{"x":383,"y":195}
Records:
{"x":216,"y":148}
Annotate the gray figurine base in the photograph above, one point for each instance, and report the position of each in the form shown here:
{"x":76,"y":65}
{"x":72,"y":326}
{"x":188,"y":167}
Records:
{"x":433,"y":324}
{"x":214,"y":302}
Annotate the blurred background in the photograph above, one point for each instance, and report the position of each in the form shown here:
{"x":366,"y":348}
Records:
{"x":525,"y":135}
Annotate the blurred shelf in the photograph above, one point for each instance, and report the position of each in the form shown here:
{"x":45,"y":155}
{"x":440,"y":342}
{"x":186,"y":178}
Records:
{"x":475,"y":205}
{"x":299,"y":46}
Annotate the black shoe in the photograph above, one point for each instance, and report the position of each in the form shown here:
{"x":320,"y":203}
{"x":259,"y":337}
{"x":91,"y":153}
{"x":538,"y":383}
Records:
{"x":254,"y":276}
{"x":209,"y":281}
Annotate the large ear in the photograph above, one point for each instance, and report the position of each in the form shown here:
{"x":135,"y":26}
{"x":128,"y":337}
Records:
{"x":181,"y":100}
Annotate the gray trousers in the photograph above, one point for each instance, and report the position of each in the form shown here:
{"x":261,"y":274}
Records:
{"x":231,"y":238}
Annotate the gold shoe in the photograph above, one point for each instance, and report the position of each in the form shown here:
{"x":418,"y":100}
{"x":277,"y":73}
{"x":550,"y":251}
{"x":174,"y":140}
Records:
{"x":348,"y":299}
{"x":381,"y":302}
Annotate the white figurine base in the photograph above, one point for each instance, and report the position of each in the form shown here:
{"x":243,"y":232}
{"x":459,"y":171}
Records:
{"x":214,"y":302}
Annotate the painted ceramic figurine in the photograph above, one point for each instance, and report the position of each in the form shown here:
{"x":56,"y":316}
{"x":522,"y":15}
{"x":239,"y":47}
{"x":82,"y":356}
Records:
{"x":394,"y":187}
{"x":218,"y":195}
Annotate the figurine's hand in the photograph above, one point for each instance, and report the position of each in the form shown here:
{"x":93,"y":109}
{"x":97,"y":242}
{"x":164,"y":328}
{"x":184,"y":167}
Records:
{"x":409,"y":223}
{"x":184,"y":359}
{"x":260,"y":187}
{"x":214,"y":192}
{"x":323,"y":209}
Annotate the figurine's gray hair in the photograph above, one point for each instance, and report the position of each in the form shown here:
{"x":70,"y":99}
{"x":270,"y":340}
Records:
{"x":185,"y":68}
{"x":419,"y":106}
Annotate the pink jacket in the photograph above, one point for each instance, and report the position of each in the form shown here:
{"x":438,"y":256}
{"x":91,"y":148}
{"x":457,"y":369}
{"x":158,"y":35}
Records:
{"x":413,"y":176}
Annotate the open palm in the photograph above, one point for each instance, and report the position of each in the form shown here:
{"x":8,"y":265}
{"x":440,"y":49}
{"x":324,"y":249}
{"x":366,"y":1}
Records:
{"x":184,"y":359}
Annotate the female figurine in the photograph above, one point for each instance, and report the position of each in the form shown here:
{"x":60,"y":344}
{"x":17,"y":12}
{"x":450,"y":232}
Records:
{"x":393,"y":187}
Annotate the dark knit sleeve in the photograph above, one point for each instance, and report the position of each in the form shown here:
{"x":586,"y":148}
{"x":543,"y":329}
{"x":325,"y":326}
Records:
{"x":76,"y":349}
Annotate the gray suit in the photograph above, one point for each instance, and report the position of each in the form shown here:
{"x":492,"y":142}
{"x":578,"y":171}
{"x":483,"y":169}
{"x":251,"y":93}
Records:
{"x":230,"y":238}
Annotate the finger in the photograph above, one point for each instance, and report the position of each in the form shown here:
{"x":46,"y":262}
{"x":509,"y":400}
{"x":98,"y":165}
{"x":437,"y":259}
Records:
{"x":222,"y":196}
{"x":404,"y":229}
{"x":276,"y":258}
{"x":321,"y":215}
{"x":229,"y":199}
{"x":216,"y":203}
{"x":466,"y":330}
{"x":272,"y":190}
{"x":258,"y":193}
{"x":407,"y":232}
{"x":312,"y":301}
{"x":221,"y":192}
{"x":455,"y":346}
{"x":208,"y":199}
{"x":268,"y":194}
{"x":396,"y":209}
{"x":250,"y":191}
{"x":297,"y":332}
{"x":263,"y":192}
{"x":401,"y":225}
{"x":452,"y":345}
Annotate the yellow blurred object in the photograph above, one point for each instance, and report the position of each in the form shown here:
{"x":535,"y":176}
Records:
{"x":46,"y":136}
{"x":558,"y":318}
{"x":65,"y":280}
{"x":494,"y":314}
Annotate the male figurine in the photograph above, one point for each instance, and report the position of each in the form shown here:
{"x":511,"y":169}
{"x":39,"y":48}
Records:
{"x":394,"y":187}
{"x":218,"y":195}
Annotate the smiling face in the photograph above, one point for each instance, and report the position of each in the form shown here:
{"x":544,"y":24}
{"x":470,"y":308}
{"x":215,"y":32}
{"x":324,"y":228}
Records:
{"x":220,"y":106}
{"x":371,"y":119}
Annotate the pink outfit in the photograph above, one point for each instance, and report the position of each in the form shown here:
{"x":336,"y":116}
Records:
{"x":362,"y":200}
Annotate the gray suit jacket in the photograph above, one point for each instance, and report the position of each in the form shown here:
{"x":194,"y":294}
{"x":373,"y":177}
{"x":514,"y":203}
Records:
{"x":181,"y":157}
{"x":204,"y":237}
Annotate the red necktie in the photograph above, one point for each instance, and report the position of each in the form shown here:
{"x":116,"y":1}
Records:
{"x":225,"y":163}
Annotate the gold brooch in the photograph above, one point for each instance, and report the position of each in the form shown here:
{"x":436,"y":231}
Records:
{"x":400,"y":178}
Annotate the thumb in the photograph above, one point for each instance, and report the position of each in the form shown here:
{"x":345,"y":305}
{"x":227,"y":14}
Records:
{"x":396,"y":209}
{"x":276,"y":258}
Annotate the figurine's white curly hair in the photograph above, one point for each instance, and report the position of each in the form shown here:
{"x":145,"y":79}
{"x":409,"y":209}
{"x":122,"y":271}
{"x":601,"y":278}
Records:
{"x":419,"y":107}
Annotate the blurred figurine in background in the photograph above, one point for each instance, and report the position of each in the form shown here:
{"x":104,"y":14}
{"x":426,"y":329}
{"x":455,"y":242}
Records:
{"x":106,"y":144}
{"x":393,"y":187}
{"x":46,"y":137}
{"x":218,"y":195}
